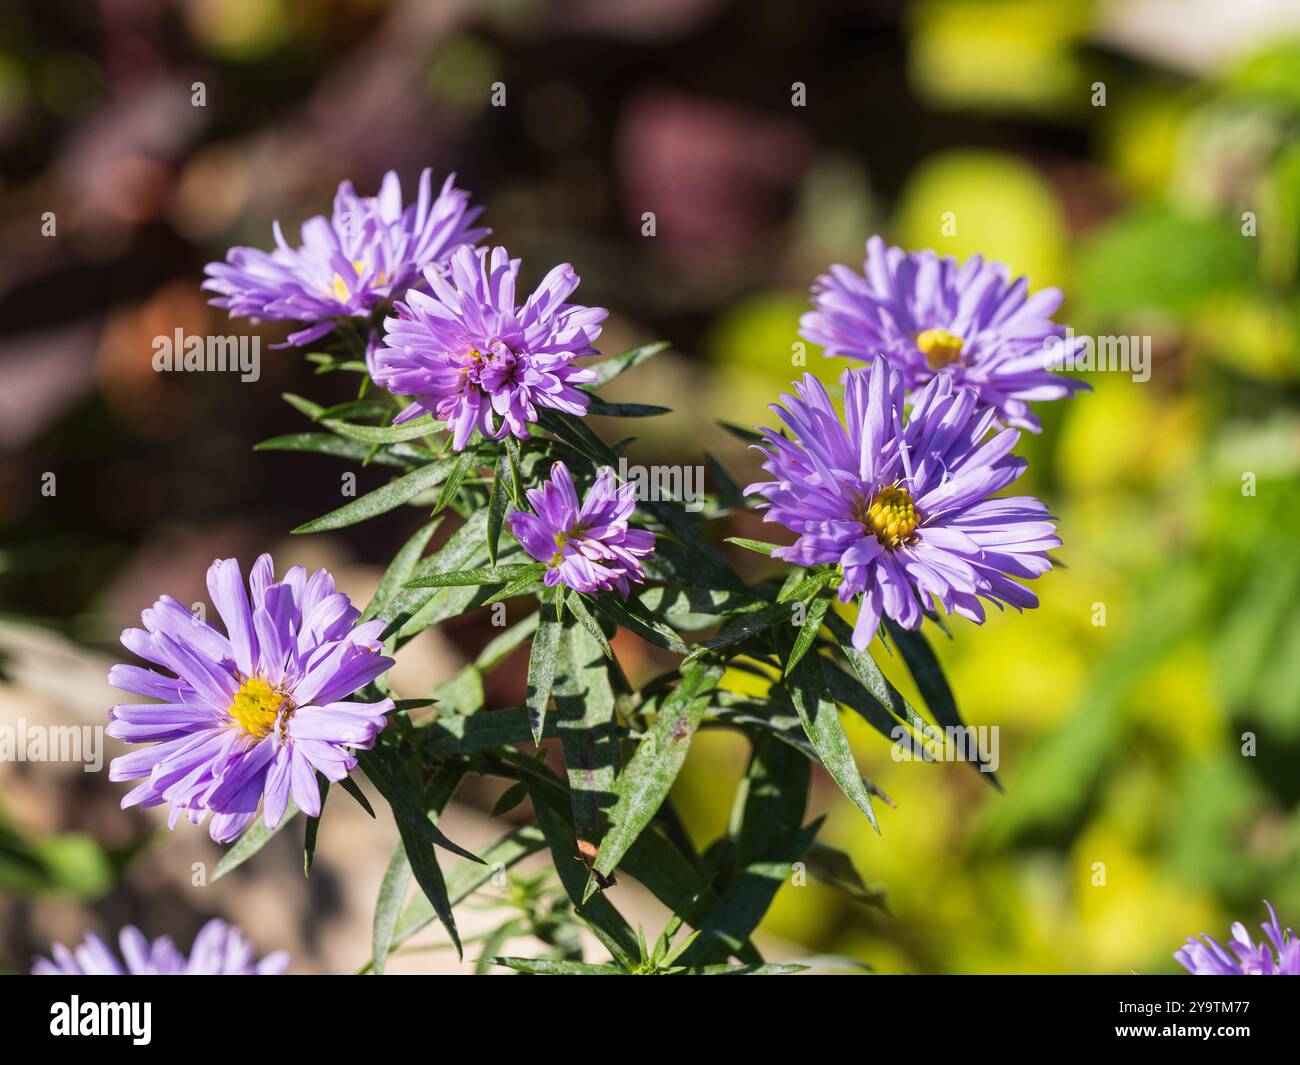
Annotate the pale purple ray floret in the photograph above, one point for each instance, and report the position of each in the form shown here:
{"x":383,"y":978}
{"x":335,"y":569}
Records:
{"x":928,"y":316}
{"x":587,"y":545}
{"x":219,"y":950}
{"x":1243,"y":956}
{"x":370,"y":251}
{"x":904,"y":505}
{"x":252,"y":716}
{"x":472,"y":357}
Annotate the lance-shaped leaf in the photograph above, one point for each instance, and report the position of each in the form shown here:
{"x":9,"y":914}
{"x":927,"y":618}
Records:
{"x":381,"y":500}
{"x":626,"y":410}
{"x":558,"y":967}
{"x":384,"y":434}
{"x":255,"y":837}
{"x":768,"y":969}
{"x":648,"y":777}
{"x":485,"y":731}
{"x":334,"y":446}
{"x":542,"y":661}
{"x":757,"y":546}
{"x":400,"y":792}
{"x":612,"y":367}
{"x":483,"y":575}
{"x":770,"y":802}
{"x":821,"y":722}
{"x":730,"y":923}
{"x":598,"y":913}
{"x":460,"y":466}
{"x":392,"y":892}
{"x":400,"y":569}
{"x":313,"y":829}
{"x":742,"y":627}
{"x":877,"y":691}
{"x":464,"y":878}
{"x":428,"y":874}
{"x":588,"y":730}
{"x":497,"y":503}
{"x":812,"y":624}
{"x":635,"y":618}
{"x":934,"y":688}
{"x":583,"y":616}
{"x":409,"y":610}
{"x":836,"y":868}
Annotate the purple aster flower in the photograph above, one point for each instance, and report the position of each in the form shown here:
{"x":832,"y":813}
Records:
{"x":928,"y":317}
{"x":474,"y":359}
{"x":904,"y":510}
{"x":1206,"y":957}
{"x":252,"y":715}
{"x":587,"y":547}
{"x":219,"y":950}
{"x":370,"y":251}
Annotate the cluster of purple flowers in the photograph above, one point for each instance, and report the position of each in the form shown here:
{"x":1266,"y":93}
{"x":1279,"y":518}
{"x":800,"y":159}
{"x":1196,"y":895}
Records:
{"x":900,"y":492}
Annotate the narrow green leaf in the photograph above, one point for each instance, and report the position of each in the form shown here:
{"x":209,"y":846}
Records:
{"x":636,"y":619}
{"x":808,"y":631}
{"x":485,"y":575}
{"x":741,"y":628}
{"x":752,"y":545}
{"x":255,"y":837}
{"x":612,"y":367}
{"x":648,"y":777}
{"x":588,"y":731}
{"x":541,"y":669}
{"x":384,"y":434}
{"x":401,"y":568}
{"x":428,"y":874}
{"x":497,"y":503}
{"x":313,"y":827}
{"x":821,"y":723}
{"x":459,"y":468}
{"x":599,"y":914}
{"x":556,"y":967}
{"x":334,"y":446}
{"x":381,"y":500}
{"x":934,"y":688}
{"x":626,"y":410}
{"x":579,"y":610}
{"x":350,"y":786}
{"x":388,"y":907}
{"x":402,"y":795}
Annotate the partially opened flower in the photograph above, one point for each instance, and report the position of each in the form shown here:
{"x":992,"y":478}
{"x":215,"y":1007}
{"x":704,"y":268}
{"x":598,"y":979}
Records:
{"x":370,"y":251}
{"x":587,"y":547}
{"x":219,"y":950}
{"x":475,"y":359}
{"x":927,"y":316}
{"x":1206,"y":957}
{"x":252,"y":715}
{"x":904,"y":509}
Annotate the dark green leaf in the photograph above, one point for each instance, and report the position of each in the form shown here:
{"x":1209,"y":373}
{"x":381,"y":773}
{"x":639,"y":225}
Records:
{"x":381,"y":500}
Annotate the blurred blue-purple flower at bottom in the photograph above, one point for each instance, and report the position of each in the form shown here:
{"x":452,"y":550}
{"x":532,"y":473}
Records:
{"x":219,"y":950}
{"x":1243,"y":956}
{"x":587,"y":545}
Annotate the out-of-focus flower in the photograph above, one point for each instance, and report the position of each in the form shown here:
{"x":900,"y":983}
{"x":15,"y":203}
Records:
{"x":904,"y":510}
{"x":219,"y":950}
{"x":1207,"y":957}
{"x":929,"y":317}
{"x":471,"y":357}
{"x":586,"y":547}
{"x":370,"y":251}
{"x":254,"y":714}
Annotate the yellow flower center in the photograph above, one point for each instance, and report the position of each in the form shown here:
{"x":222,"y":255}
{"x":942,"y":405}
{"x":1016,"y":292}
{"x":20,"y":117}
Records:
{"x":891,"y":516}
{"x":257,"y":707}
{"x":340,"y":287}
{"x":939,"y":347}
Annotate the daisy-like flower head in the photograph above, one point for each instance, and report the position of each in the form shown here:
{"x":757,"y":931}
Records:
{"x":1206,"y":957}
{"x":928,"y":317}
{"x":219,"y":950}
{"x":474,"y":359}
{"x":370,"y":251}
{"x":904,"y":509}
{"x":587,"y":547}
{"x":252,"y":715}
